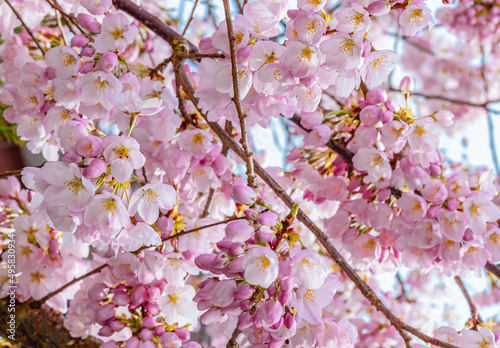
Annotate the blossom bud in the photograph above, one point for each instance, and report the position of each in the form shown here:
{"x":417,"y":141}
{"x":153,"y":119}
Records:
{"x":444,"y":118}
{"x":406,"y":85}
{"x":268,"y":218}
{"x":138,"y":295}
{"x":202,"y":261}
{"x":370,"y":115}
{"x":289,"y":319}
{"x":239,"y":231}
{"x":212,"y":316}
{"x":108,"y":62}
{"x":183,"y":334}
{"x":448,"y":2}
{"x":148,"y":322}
{"x":379,"y":8}
{"x":116,"y":325}
{"x":433,"y":211}
{"x":88,"y":22}
{"x":206,"y":46}
{"x":98,"y":291}
{"x":153,"y":308}
{"x":249,"y":213}
{"x":95,"y":168}
{"x":146,"y":335}
{"x":453,"y":204}
{"x":121,"y":299}
{"x":376,"y":96}
{"x":192,"y":345}
{"x":234,"y":268}
{"x":243,"y":194}
{"x":87,"y":67}
{"x":132,"y":342}
{"x":87,"y":51}
{"x":387,"y":116}
{"x":391,"y":105}
{"x":50,"y":72}
{"x":105,"y":331}
{"x":105,"y":313}
{"x":79,"y":40}
{"x":159,"y":330}
{"x":245,"y":320}
{"x":243,"y":292}
{"x":468,"y":235}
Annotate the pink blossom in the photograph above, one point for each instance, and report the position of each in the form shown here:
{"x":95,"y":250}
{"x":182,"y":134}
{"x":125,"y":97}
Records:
{"x":150,"y":198}
{"x":99,"y":88}
{"x":353,"y":20}
{"x":424,"y":135}
{"x":67,"y":186}
{"x":309,"y":269}
{"x":414,"y":18}
{"x":116,"y":33}
{"x":453,"y":224}
{"x":97,"y":7}
{"x":107,"y":212}
{"x":479,"y":210}
{"x":261,"y":266}
{"x":342,"y":51}
{"x":123,"y":154}
{"x":482,"y":338}
{"x":243,"y":194}
{"x":138,"y":235}
{"x":64,"y":59}
{"x":196,"y":141}
{"x":373,"y":161}
{"x":413,"y":206}
{"x":178,"y":306}
{"x":301,"y":60}
{"x":377,"y":67}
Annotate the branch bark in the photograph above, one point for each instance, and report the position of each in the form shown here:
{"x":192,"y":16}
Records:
{"x":475,"y":318}
{"x":18,"y":15}
{"x":236,"y":98}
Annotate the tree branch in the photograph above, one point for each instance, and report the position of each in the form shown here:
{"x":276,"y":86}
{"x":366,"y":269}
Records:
{"x":153,"y":23}
{"x":232,"y":341}
{"x":18,"y":15}
{"x":475,"y":318}
{"x":493,"y":269}
{"x":236,"y":98}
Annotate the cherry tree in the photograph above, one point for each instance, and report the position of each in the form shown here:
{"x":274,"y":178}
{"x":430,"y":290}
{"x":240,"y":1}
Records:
{"x":153,"y":223}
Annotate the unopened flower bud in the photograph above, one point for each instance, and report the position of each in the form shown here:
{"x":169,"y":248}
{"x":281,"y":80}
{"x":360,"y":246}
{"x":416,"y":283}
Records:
{"x":243,"y":194}
{"x":79,"y":40}
{"x":379,"y":8}
{"x":108,"y":62}
{"x":406,"y":85}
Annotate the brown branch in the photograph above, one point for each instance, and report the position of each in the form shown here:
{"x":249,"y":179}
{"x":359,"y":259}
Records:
{"x":232,"y":341}
{"x":69,"y":19}
{"x":18,"y":15}
{"x":10,"y":173}
{"x":475,"y":318}
{"x":153,"y":23}
{"x":61,"y":29}
{"x":493,"y":269}
{"x":236,"y":98}
{"x":38,"y":304}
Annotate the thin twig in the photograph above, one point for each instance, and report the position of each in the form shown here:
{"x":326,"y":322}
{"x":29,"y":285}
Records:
{"x":61,"y":29}
{"x":190,"y":18}
{"x":493,"y":269}
{"x":236,"y":98}
{"x":18,"y":15}
{"x":69,"y":18}
{"x":10,"y":173}
{"x":475,"y":318}
{"x":402,"y":284}
{"x":37,"y":304}
{"x":153,"y":23}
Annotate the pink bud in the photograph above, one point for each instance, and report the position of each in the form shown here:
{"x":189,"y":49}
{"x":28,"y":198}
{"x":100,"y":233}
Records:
{"x":71,"y":156}
{"x":202,"y":261}
{"x":159,"y":330}
{"x":212,"y":316}
{"x":88,"y":22}
{"x":104,"y":313}
{"x":245,"y":320}
{"x":243,"y":194}
{"x":87,"y":51}
{"x":406,"y":85}
{"x":79,"y":40}
{"x":243,"y":292}
{"x":433,"y":211}
{"x":391,"y":105}
{"x":289,"y":319}
{"x":234,"y":308}
{"x":249,"y":213}
{"x":148,"y":322}
{"x":379,"y":8}
{"x":153,"y":308}
{"x":268,"y":314}
{"x":98,"y":292}
{"x":121,"y":299}
{"x":206,"y":46}
{"x":387,"y":116}
{"x":87,"y":67}
{"x":138,"y":295}
{"x":95,"y":168}
{"x":183,"y":334}
{"x":105,"y":331}
{"x":132,"y":342}
{"x":268,"y":218}
{"x":239,"y":231}
{"x":468,"y":235}
{"x":108,"y":62}
{"x":376,"y":96}
{"x":452,"y":204}
{"x":146,"y":335}
{"x":370,"y":115}
{"x":448,"y":2}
